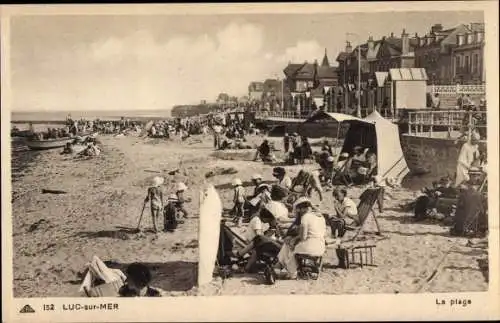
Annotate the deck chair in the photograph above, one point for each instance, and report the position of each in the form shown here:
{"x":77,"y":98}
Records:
{"x":342,"y":176}
{"x":365,"y":208}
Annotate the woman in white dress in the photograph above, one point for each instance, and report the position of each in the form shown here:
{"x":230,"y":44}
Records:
{"x":310,"y":239}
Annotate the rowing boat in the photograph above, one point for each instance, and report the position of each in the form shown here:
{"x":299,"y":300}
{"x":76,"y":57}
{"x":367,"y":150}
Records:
{"x":45,"y":144}
{"x":48,"y":143}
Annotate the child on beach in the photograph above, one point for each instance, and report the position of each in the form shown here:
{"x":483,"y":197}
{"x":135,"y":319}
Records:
{"x":239,"y":201}
{"x":181,"y":188}
{"x":138,"y":280}
{"x":155,"y":197}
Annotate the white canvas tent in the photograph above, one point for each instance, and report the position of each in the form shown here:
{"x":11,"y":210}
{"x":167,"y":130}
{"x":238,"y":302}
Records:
{"x":382,"y":136}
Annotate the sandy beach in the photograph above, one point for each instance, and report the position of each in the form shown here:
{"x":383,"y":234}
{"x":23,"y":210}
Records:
{"x":54,"y":236}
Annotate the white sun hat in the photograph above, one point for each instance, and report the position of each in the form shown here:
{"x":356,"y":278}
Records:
{"x":256,"y":176}
{"x":181,"y":187}
{"x":237,"y":182}
{"x":157,"y":181}
{"x":173,"y":197}
{"x":302,"y":200}
{"x":330,"y":159}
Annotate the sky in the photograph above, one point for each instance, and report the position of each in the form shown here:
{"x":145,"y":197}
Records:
{"x":131,"y":62}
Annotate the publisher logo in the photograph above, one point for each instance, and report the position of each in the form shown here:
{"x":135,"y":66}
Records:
{"x":27,"y":309}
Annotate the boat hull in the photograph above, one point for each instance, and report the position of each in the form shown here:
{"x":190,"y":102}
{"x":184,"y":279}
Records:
{"x":47,"y":144}
{"x":434,"y":156}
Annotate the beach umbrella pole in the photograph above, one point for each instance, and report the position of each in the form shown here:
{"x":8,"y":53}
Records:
{"x":140,"y":218}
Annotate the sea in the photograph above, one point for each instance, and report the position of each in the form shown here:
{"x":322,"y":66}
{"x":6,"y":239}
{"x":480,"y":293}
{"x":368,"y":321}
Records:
{"x":55,"y":116}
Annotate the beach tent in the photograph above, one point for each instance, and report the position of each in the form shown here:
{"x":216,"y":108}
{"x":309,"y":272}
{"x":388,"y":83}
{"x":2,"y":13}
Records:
{"x":146,"y":128}
{"x":381,"y":136}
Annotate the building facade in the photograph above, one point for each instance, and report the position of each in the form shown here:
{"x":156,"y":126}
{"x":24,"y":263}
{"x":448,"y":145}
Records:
{"x":434,"y":53}
{"x":255,"y":91}
{"x":306,"y":82}
{"x":467,"y":56}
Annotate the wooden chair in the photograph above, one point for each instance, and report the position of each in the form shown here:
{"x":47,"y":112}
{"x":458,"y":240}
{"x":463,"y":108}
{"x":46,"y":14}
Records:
{"x":365,"y":209}
{"x":309,"y":267}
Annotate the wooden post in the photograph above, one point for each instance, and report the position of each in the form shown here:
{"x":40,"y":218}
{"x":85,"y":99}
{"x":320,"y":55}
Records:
{"x":469,"y":134}
{"x":432,"y":124}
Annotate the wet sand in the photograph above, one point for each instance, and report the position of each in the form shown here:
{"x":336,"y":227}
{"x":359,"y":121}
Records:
{"x":105,"y":197}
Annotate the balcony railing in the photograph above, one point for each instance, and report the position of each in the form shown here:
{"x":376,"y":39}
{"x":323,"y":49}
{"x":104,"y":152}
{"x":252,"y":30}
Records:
{"x":479,"y":89}
{"x":432,"y":123}
{"x":279,"y":115}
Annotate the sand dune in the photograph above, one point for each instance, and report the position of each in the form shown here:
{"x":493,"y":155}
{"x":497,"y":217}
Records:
{"x":55,"y":235}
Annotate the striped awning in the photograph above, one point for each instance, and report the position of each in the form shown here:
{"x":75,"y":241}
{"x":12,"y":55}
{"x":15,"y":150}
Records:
{"x":408,"y":74}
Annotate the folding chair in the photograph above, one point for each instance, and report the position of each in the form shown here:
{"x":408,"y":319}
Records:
{"x":365,"y":209}
{"x":342,"y":176}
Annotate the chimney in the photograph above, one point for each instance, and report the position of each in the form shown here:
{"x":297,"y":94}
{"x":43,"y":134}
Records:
{"x":348,"y":47}
{"x":370,"y":43}
{"x":405,"y":43}
{"x":477,"y":26}
{"x":392,"y":35}
{"x":436,"y":28}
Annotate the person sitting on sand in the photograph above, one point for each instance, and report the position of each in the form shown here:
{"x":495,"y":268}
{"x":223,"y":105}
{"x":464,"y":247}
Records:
{"x":345,"y":212}
{"x":155,"y":197}
{"x":170,"y":214}
{"x":327,"y":147}
{"x":68,"y":149}
{"x":238,"y":200}
{"x":309,"y":241}
{"x":256,"y":181}
{"x":258,"y":227}
{"x":283,"y":179}
{"x":137,"y":284}
{"x":263,"y":151}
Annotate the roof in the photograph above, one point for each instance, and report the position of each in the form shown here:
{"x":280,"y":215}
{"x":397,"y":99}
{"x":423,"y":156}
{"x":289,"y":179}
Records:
{"x":342,"y":56}
{"x":327,"y":72}
{"x":291,"y":69}
{"x":325,"y":62}
{"x":339,"y":117}
{"x":408,"y":74}
{"x":307,"y":71}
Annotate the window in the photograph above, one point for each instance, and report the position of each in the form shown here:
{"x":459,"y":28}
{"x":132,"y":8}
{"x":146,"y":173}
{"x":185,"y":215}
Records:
{"x":457,"y":64}
{"x":467,"y":63}
{"x":475,"y":64}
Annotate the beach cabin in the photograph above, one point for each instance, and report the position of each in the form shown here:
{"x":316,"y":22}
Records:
{"x":407,"y":88}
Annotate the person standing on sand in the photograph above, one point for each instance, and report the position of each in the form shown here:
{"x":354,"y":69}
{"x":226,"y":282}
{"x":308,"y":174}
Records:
{"x":286,"y":142}
{"x":155,"y":197}
{"x":179,"y":192}
{"x":468,"y":154}
{"x":239,"y":201}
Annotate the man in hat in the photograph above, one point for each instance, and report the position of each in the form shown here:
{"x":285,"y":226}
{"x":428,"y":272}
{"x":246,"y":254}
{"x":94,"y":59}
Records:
{"x":283,"y":179}
{"x":155,"y":197}
{"x":256,"y":181}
